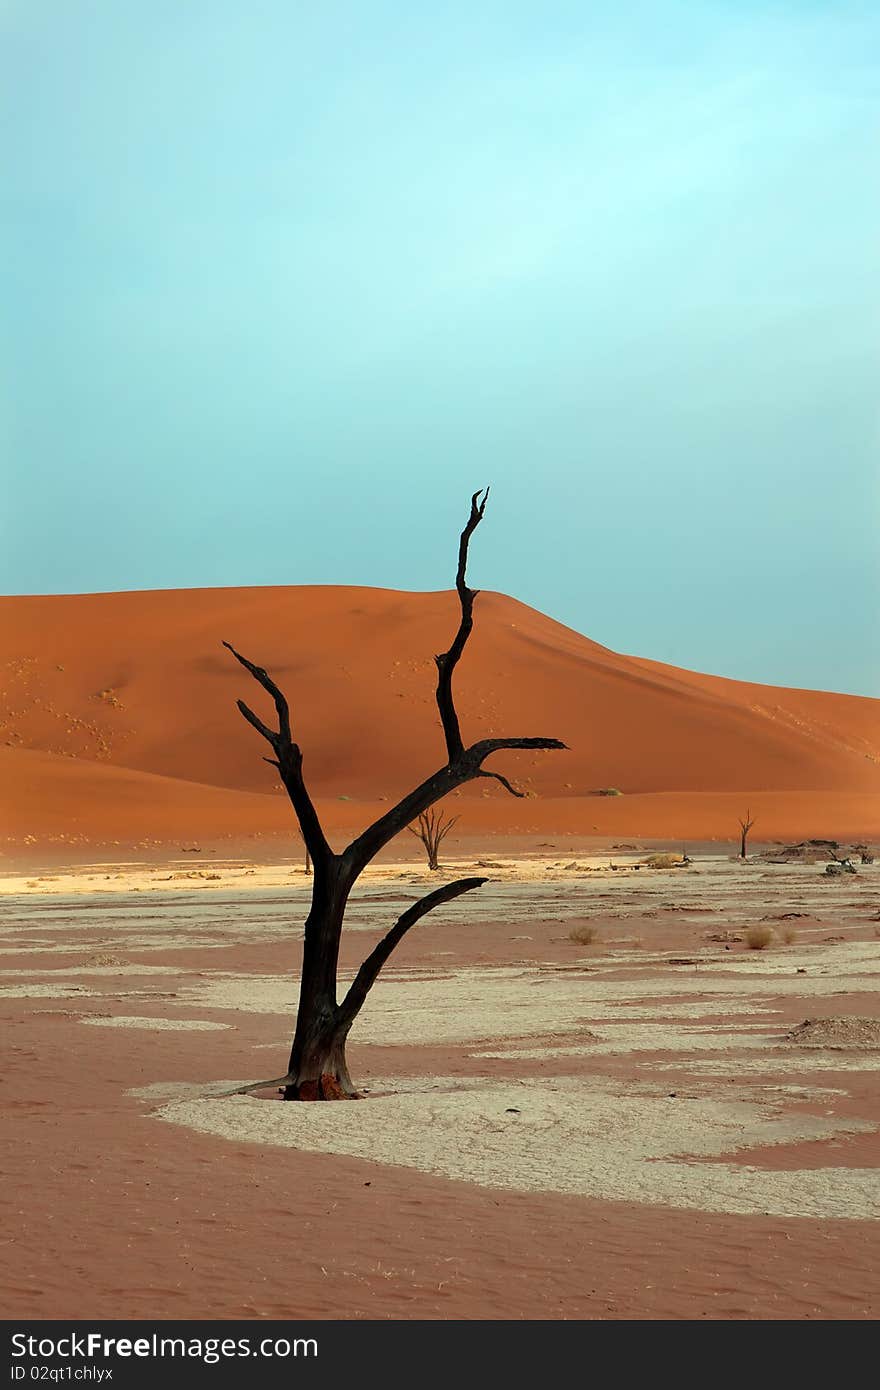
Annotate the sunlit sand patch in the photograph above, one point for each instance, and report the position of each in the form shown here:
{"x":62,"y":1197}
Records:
{"x":578,"y":1138}
{"x":191,"y":874}
{"x":382,"y":892}
{"x":189,"y":1025}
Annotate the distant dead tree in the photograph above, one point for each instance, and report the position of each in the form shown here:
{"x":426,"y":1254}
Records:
{"x":432,"y":831}
{"x":317,"y":1069}
{"x":745,"y":827}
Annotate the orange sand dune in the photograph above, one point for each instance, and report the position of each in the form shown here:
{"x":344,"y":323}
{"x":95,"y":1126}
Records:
{"x":117,"y":712}
{"x":62,"y":801}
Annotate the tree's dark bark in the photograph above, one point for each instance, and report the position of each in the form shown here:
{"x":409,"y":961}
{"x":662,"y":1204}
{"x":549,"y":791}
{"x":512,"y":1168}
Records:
{"x":317,"y":1068}
{"x":745,"y":827}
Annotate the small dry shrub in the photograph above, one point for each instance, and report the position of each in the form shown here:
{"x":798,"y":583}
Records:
{"x":662,"y":861}
{"x":758,"y":937}
{"x":789,"y":935}
{"x":583,"y":934}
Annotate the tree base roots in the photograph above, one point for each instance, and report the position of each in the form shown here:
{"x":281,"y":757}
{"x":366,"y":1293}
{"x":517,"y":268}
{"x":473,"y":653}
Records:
{"x":328,"y":1088}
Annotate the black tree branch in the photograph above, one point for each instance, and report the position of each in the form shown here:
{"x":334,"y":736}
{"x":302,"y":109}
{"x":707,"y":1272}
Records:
{"x":369,"y":971}
{"x":317,"y":1066}
{"x":367,"y":845}
{"x":436,"y":827}
{"x":261,"y":728}
{"x":480,"y":751}
{"x":504,"y":782}
{"x":265,"y":680}
{"x":447,"y":661}
{"x":464,"y":764}
{"x":288,"y":759}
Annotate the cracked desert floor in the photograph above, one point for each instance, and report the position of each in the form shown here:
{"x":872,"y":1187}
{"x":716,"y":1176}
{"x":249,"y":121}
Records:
{"x":625,"y":1127}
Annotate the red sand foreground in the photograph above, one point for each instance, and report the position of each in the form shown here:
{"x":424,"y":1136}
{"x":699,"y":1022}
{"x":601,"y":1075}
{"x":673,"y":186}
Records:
{"x":121,"y":1203}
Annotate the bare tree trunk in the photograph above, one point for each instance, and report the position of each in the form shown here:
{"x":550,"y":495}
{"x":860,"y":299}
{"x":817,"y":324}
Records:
{"x":318,"y":1051}
{"x":317,"y":1068}
{"x":745,"y":827}
{"x":432,"y":831}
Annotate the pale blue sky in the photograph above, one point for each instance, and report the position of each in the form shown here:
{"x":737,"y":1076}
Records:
{"x":284,"y":283}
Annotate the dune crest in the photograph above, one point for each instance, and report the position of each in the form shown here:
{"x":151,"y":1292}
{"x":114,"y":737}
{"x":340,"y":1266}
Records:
{"x":104,"y":693}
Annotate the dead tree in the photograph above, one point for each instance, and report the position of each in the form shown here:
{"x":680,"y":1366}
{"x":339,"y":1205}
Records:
{"x":317,"y":1068}
{"x":745,"y":827}
{"x":432,"y":831}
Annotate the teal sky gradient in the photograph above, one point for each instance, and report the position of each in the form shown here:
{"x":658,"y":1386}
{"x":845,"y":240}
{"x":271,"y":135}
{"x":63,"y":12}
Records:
{"x":284,"y":283}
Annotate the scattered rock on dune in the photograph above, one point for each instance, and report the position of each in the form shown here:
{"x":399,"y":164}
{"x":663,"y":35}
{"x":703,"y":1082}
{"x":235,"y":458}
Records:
{"x":840,"y":1032}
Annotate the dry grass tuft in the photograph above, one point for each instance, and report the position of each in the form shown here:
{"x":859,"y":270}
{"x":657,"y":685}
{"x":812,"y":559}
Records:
{"x":662,"y":861}
{"x":583,"y":934}
{"x":758,"y":937}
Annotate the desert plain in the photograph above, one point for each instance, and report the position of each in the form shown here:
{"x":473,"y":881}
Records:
{"x":599,"y":1087}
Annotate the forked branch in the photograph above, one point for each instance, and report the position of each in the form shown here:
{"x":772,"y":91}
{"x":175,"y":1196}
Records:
{"x":317,"y":1065}
{"x":745,"y":826}
{"x":288,"y":758}
{"x":464,"y":763}
{"x":447,"y":661}
{"x":281,"y":705}
{"x":432,"y":830}
{"x":504,"y":782}
{"x":466,"y":768}
{"x":367,"y":975}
